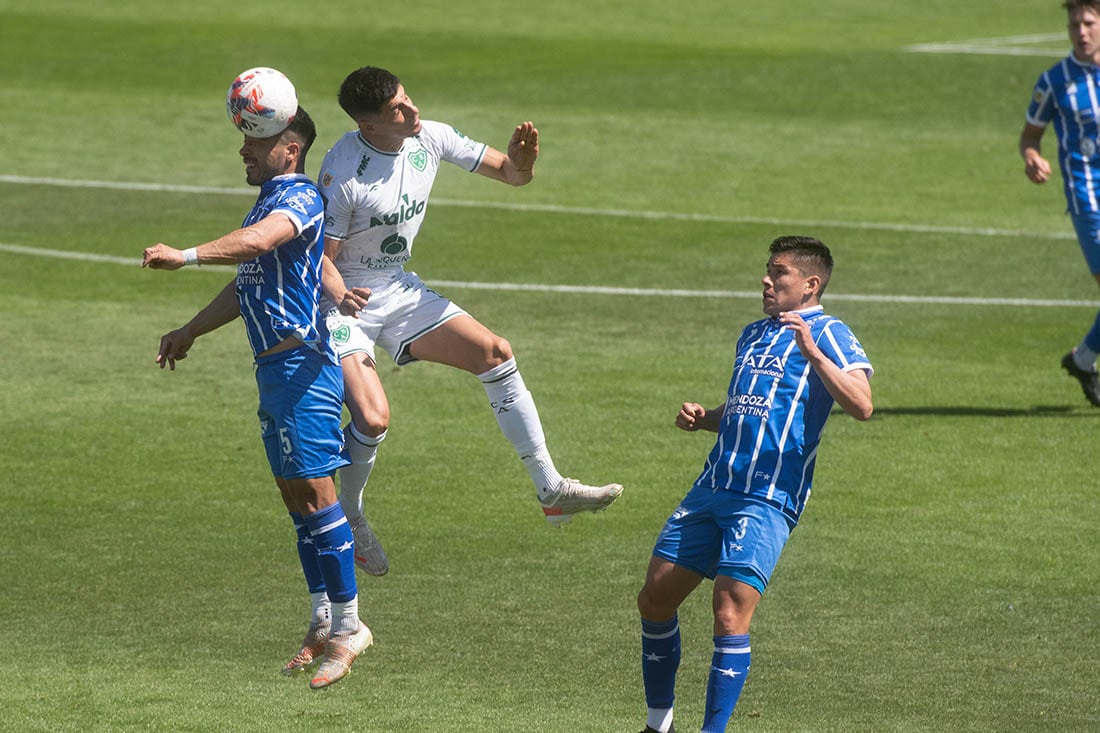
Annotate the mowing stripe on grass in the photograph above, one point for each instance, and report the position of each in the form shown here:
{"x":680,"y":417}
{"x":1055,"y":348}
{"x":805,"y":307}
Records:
{"x":604,"y":290}
{"x":575,"y":210}
{"x":1029,"y":45}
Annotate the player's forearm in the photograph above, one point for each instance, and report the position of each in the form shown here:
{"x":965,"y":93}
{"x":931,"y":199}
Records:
{"x":712,"y":419}
{"x":332,"y":282}
{"x":1030,"y":148}
{"x":1031,"y":142}
{"x":851,"y":390}
{"x":223,"y":309}
{"x":514,"y":176}
{"x":247,"y":243}
{"x":238,"y":246}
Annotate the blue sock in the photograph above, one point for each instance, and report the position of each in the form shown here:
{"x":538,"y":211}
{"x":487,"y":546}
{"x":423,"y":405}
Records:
{"x":660,"y":660}
{"x":1092,"y":339}
{"x":728,"y":669}
{"x":331,"y":535}
{"x":307,"y":553}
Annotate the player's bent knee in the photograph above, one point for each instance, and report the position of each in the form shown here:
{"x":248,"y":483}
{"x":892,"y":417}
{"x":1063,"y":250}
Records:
{"x":372,"y":425}
{"x":653,"y":608}
{"x":500,"y":351}
{"x":371,"y":417}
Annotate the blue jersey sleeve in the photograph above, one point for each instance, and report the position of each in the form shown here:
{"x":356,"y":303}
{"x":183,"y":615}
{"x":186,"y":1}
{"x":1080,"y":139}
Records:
{"x":302,"y":204}
{"x":841,"y":346}
{"x":1041,"y":110}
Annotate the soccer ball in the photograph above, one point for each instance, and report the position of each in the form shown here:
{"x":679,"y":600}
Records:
{"x":261,"y":102}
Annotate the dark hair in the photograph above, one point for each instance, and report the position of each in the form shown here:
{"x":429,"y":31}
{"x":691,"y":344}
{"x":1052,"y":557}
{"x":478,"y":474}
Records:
{"x":1071,"y":5}
{"x":810,"y":255}
{"x":303,"y":128}
{"x":365,"y":90}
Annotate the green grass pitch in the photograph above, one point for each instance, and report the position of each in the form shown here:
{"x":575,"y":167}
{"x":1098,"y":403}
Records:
{"x":946,"y":573}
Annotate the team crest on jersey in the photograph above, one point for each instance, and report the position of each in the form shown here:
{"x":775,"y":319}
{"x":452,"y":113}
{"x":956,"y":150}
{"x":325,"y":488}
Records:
{"x":327,"y":179}
{"x":341,"y":334}
{"x":1039,"y":97}
{"x":419,"y":159}
{"x":301,"y":201}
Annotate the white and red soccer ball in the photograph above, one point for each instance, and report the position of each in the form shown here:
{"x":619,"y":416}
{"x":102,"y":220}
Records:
{"x":261,"y":102}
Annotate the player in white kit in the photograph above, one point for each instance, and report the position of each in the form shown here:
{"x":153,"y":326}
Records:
{"x":376,"y":181}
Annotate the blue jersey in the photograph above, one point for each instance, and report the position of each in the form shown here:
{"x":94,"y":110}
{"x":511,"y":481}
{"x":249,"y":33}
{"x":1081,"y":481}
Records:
{"x":1067,"y":95}
{"x":280,"y":291}
{"x":775,"y":411}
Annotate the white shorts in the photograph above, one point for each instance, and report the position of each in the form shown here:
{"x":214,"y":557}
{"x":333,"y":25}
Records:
{"x":396,"y":315}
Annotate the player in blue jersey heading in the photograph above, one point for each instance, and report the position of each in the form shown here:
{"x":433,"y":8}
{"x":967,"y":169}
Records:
{"x":788,"y":371}
{"x":377,"y":180}
{"x":277,"y":291}
{"x":1068,"y":95}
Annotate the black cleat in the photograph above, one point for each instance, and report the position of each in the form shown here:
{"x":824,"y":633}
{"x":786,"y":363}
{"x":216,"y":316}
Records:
{"x":653,"y":730}
{"x":1090,"y":382}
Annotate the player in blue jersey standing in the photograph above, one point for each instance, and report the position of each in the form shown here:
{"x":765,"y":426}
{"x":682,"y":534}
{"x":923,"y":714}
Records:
{"x":277,"y":292}
{"x":1068,"y":95}
{"x":788,"y":371}
{"x":376,"y":181}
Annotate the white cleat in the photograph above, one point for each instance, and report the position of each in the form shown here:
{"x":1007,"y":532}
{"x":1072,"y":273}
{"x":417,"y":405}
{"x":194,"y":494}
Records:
{"x":572,"y":497}
{"x":313,"y":646}
{"x":340,"y":653}
{"x":369,"y":555}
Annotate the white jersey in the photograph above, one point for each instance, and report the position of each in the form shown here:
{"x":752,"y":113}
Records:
{"x":375,"y":200}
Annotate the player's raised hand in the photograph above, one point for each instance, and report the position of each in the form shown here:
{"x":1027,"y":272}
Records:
{"x":162,"y":257}
{"x":354,"y":300}
{"x":174,"y":346}
{"x":523,"y":148}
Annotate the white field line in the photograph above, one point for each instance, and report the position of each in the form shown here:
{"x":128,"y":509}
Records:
{"x":577,"y":210}
{"x":1028,"y":45}
{"x":605,"y":290}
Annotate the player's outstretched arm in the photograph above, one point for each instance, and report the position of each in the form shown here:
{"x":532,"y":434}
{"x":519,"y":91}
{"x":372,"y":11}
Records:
{"x":517,"y":167}
{"x":240,"y":245}
{"x":223,"y":309}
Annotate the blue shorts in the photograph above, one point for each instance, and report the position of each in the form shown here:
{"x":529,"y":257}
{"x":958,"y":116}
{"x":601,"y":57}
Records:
{"x":723,"y":532}
{"x":301,"y":400}
{"x":1087,"y":226}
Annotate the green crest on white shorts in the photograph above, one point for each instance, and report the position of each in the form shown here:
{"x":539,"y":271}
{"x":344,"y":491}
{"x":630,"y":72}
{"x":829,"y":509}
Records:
{"x":341,"y":334}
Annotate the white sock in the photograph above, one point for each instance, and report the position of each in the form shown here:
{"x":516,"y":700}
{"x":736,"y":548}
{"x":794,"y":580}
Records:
{"x":1084,"y":357}
{"x":353,"y":477}
{"x":659,"y":719}
{"x":321,"y":613}
{"x":541,"y":469}
{"x":345,"y":617}
{"x":518,"y":419}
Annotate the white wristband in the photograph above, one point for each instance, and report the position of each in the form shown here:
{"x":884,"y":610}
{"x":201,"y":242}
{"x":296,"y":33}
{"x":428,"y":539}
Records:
{"x":190,"y":256}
